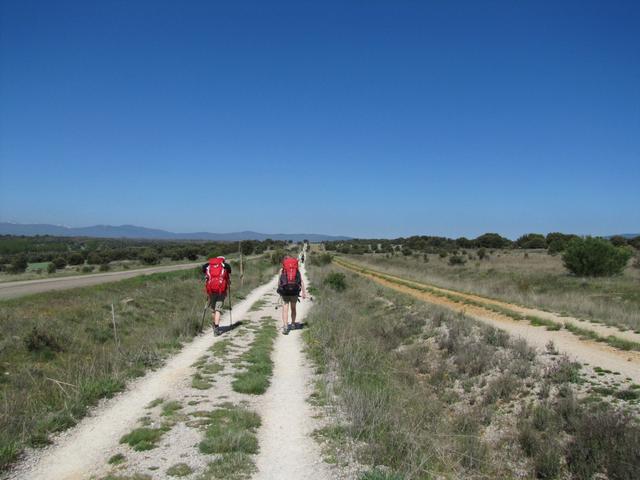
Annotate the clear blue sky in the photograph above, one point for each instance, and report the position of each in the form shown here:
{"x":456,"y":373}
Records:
{"x":364,"y":118}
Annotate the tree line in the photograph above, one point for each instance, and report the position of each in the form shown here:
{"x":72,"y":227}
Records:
{"x":16,"y":252}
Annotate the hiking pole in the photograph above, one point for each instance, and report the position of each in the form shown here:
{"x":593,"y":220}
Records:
{"x":230,"y":309}
{"x":204,"y":311}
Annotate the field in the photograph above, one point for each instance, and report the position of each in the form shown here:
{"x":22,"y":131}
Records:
{"x":425,"y":393}
{"x":61,"y":352}
{"x":531,"y":278}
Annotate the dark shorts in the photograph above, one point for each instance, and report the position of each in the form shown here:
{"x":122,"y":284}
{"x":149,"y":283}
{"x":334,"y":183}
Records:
{"x":289,"y":298}
{"x":216,"y":302}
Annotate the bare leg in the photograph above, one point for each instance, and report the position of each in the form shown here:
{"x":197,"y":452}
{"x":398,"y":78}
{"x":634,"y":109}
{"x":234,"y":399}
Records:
{"x":216,"y":318}
{"x":293,"y":312}
{"x":285,"y":313}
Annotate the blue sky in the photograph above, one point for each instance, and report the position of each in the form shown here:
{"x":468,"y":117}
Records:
{"x":363,"y":118}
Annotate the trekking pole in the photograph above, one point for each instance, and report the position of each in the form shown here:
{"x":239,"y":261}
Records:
{"x":230,"y":309}
{"x":204,"y":311}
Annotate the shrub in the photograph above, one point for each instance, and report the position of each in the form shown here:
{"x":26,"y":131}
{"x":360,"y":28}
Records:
{"x":94,"y":258}
{"x":594,"y":257}
{"x":51,"y":268}
{"x":457,"y":260}
{"x":336,"y":280}
{"x":320,"y":260}
{"x":532,"y":240}
{"x":41,"y":341}
{"x":59,"y":262}
{"x":19,"y":264}
{"x":76,"y":259}
{"x":149,"y":256}
{"x":482,"y":253}
{"x":105,"y":267}
{"x":277,"y":256}
{"x":87,"y":268}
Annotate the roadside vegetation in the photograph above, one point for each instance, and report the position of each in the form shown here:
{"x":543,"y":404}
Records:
{"x":27,"y":258}
{"x":60,"y":352}
{"x":414,"y":391}
{"x":531,"y":278}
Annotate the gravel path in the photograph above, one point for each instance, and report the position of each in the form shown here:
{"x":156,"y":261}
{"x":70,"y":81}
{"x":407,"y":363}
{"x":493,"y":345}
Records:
{"x":286,"y":449}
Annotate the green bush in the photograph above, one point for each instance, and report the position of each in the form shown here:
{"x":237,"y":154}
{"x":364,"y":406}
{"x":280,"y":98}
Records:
{"x":51,"y":268}
{"x":594,"y":257}
{"x":457,"y":260}
{"x":320,"y":260}
{"x":150,"y":256}
{"x":76,"y":259}
{"x":19,"y":264}
{"x":337,"y":281}
{"x":60,"y":262}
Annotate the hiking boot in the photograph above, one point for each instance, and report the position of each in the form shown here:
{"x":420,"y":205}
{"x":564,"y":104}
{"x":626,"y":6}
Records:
{"x":293,"y":326}
{"x":216,"y":331}
{"x":285,"y":330}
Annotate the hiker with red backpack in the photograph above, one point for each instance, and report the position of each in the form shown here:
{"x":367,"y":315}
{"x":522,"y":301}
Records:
{"x":290,"y":287}
{"x":217,"y":281}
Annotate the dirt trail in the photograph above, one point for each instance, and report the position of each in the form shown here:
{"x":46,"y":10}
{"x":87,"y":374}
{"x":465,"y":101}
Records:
{"x":584,"y":351}
{"x":285,"y":444}
{"x":286,"y":448}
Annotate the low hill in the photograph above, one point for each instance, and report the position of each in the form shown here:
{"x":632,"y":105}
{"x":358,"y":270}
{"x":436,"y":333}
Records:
{"x":132,"y":231}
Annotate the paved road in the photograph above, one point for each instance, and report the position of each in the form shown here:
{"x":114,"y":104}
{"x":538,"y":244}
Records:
{"x":29,"y":287}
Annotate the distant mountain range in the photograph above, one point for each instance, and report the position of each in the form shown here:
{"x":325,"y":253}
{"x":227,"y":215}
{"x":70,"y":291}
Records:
{"x":132,"y":231}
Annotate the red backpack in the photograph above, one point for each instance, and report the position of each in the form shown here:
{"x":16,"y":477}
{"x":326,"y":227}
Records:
{"x":290,"y":279}
{"x":217,"y":277}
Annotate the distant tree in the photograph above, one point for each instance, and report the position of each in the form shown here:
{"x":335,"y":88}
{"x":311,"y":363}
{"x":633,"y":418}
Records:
{"x":482,"y":253}
{"x":76,"y":259}
{"x":618,"y":241}
{"x":51,"y":267}
{"x":635,"y":242}
{"x":94,"y":258}
{"x":531,"y":240}
{"x":19,"y":264}
{"x":464,"y":242}
{"x":594,"y":257}
{"x":59,"y":262}
{"x":149,"y":256}
{"x":456,"y":260}
{"x":492,"y":240}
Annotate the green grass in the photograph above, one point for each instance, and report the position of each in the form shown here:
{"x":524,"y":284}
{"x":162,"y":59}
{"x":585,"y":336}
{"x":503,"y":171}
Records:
{"x":395,"y":375}
{"x":539,"y":282}
{"x":255,"y":378}
{"x":230,"y":466}
{"x":117,"y":459}
{"x":179,"y":470}
{"x":143,"y":438}
{"x":201,"y":383}
{"x":58,"y":349}
{"x":231,"y":429}
{"x":612,"y":340}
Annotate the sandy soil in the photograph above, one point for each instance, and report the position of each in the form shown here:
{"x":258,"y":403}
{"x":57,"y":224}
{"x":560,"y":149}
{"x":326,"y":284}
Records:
{"x":286,"y":447}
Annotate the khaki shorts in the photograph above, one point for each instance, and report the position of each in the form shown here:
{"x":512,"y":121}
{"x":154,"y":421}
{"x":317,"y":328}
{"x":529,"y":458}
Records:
{"x":216,"y":302}
{"x":289,"y":298}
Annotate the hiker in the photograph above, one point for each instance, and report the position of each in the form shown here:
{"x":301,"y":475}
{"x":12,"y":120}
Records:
{"x":217,"y":280}
{"x":302,"y":258}
{"x":290,"y":287}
